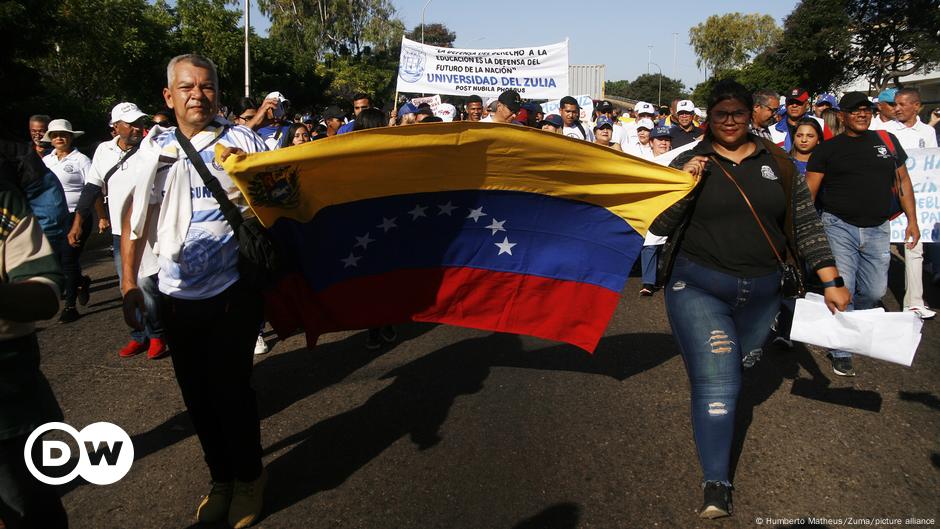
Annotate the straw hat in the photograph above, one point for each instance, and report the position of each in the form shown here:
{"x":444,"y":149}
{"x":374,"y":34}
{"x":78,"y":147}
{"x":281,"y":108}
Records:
{"x":61,"y":125}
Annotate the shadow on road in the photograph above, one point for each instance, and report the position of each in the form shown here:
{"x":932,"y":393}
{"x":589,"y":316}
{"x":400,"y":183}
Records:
{"x":558,"y":516}
{"x":419,"y":399}
{"x":927,"y":399}
{"x":765,"y":378}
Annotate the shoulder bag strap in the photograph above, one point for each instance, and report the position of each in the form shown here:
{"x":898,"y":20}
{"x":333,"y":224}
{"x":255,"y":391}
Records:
{"x":886,"y":139}
{"x":111,"y":171}
{"x":753,"y":212}
{"x":230,"y":211}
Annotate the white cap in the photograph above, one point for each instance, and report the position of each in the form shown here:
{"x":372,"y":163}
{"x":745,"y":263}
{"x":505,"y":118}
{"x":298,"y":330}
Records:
{"x":491,"y":104}
{"x":277,"y":96}
{"x":126,"y":112}
{"x":700,"y":113}
{"x":61,"y":125}
{"x":685,"y":106}
{"x":445,"y":111}
{"x":645,"y":123}
{"x":642,"y":107}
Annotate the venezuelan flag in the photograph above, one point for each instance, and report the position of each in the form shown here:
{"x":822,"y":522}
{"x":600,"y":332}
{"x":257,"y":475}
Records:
{"x":481,"y":225}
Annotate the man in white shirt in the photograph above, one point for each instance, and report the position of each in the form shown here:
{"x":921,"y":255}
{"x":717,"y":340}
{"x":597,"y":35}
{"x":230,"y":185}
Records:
{"x":108,"y":176}
{"x":885,"y":109}
{"x":912,"y":133}
{"x":571,"y":116}
{"x":210,"y":315}
{"x":507,"y":106}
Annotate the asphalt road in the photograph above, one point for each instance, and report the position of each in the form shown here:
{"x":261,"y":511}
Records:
{"x":456,"y":428}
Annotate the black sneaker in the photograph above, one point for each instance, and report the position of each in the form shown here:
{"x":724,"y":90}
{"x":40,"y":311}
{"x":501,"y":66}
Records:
{"x":83,"y":291}
{"x":842,"y":366}
{"x":647,"y":290}
{"x":69,"y":314}
{"x":374,"y":340}
{"x":717,"y":502}
{"x":388,"y":334}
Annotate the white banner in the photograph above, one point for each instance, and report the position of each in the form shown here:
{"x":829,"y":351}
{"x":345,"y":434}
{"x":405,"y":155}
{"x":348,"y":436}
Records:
{"x":433,"y":101}
{"x":536,"y":73}
{"x":924,"y":168}
{"x":584,"y":101}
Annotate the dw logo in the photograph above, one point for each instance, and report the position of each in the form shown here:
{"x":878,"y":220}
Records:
{"x":105,"y":454}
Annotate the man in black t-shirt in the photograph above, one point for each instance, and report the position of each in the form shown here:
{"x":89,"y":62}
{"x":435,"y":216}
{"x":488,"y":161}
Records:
{"x":851,"y":177}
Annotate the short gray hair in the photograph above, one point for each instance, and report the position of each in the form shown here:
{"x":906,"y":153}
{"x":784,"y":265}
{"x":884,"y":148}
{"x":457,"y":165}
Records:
{"x":913,"y":93}
{"x":195,"y":60}
{"x":761,"y":97}
{"x":42,"y":118}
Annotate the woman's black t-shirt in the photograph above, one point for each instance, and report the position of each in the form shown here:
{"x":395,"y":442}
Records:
{"x":722,"y":233}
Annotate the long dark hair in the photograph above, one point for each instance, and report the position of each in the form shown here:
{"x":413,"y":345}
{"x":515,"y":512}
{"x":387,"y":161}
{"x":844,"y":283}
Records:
{"x":812,"y":123}
{"x":370,"y":118}
{"x":294,"y":127}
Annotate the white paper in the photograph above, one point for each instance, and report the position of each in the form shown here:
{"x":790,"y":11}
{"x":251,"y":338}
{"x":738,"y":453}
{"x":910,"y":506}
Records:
{"x":890,"y":336}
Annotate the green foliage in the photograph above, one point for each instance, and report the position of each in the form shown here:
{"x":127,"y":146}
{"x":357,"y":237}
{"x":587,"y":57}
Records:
{"x":729,"y":41}
{"x":892,"y":38}
{"x":647,"y":88}
{"x":815,"y":49}
{"x":434,"y":35}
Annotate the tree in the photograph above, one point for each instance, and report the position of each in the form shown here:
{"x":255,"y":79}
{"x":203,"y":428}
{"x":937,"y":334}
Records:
{"x":434,"y":35}
{"x":816,"y":48}
{"x":729,"y":41}
{"x":617,"y":88}
{"x":647,"y":88}
{"x":892,"y":38}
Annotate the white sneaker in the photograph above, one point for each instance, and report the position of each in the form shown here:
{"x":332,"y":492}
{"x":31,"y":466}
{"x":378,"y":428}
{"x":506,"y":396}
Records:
{"x":923,"y":312}
{"x":260,"y":346}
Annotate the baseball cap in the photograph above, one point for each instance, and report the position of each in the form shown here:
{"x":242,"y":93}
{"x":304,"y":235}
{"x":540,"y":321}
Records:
{"x":853,"y":100}
{"x":661,"y":132}
{"x":645,"y":123}
{"x":685,"y":106}
{"x":827,"y":98}
{"x":407,"y":108}
{"x":126,"y":112}
{"x":446,"y":111}
{"x":432,"y":119}
{"x":603,"y":121}
{"x":333,"y":111}
{"x":553,"y":120}
{"x":511,"y":99}
{"x":798,"y":94}
{"x":605,"y":106}
{"x":887,"y":95}
{"x":277,"y":96}
{"x":643,"y":107}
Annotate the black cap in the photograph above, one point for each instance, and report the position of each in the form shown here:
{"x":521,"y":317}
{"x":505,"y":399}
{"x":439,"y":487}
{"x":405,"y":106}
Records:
{"x":425,"y":111}
{"x":605,"y":106}
{"x":853,"y":100}
{"x":432,"y":119}
{"x":333,"y":111}
{"x":511,"y":99}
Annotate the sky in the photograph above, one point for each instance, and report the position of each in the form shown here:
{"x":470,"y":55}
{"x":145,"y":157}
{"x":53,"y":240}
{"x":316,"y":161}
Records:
{"x":610,"y":33}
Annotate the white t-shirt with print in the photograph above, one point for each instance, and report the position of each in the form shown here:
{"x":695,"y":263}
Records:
{"x":71,"y":172}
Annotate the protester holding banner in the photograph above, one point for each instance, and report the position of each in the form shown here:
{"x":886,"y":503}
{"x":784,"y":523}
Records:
{"x":721,"y":269}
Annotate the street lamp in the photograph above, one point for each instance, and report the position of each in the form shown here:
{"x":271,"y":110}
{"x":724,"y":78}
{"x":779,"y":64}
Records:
{"x":247,"y":56}
{"x":659,"y":98}
{"x":423,"y":9}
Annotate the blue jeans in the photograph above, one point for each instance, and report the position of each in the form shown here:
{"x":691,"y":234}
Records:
{"x":153,"y":325}
{"x":862,"y":256}
{"x":649,"y":256}
{"x":720,"y":322}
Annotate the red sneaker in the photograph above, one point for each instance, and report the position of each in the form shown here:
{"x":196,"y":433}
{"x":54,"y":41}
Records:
{"x":157,"y":349}
{"x":132,"y":348}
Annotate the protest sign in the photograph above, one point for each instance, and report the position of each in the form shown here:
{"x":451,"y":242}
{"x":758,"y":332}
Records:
{"x":539,"y":72}
{"x":432,"y":101}
{"x":924,"y":167}
{"x":584,"y":101}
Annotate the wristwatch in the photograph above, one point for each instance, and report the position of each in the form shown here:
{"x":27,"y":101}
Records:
{"x":838,"y":282}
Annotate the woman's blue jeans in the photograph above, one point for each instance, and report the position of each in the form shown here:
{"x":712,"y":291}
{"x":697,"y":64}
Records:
{"x":721,"y":322}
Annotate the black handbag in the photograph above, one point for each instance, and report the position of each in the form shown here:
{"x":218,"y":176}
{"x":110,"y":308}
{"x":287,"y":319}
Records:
{"x":259,"y":262}
{"x":791,"y":279}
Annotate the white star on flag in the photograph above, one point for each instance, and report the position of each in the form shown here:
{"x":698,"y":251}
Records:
{"x":505,"y":246}
{"x":352,"y":260}
{"x":496,"y":226}
{"x":388,"y":224}
{"x":446,"y":209}
{"x":418,"y":211}
{"x":363,"y":241}
{"x":475,"y":214}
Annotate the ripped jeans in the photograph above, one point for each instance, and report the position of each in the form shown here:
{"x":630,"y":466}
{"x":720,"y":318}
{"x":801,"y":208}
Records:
{"x":720,"y":322}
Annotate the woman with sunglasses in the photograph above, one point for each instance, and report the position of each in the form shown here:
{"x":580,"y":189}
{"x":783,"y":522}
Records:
{"x":721,"y":272}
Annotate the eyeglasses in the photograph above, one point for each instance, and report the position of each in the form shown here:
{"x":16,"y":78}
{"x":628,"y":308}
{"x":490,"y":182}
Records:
{"x":768,"y":107}
{"x":738,"y":116}
{"x":246,"y":117}
{"x":859,"y":111}
{"x":361,"y":108}
{"x":162,"y":123}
